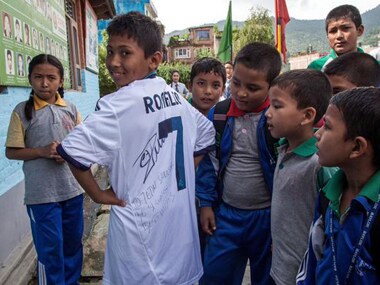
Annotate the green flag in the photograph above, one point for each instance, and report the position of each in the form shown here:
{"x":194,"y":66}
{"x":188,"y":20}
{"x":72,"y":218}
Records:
{"x":225,"y":48}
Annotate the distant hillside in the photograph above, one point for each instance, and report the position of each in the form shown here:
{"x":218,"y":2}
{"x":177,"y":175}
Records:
{"x":302,"y":33}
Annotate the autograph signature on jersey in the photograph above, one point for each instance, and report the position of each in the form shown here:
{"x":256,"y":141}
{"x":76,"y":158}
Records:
{"x":148,"y":157}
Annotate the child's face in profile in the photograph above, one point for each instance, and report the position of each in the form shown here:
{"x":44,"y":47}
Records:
{"x":126,"y":60}
{"x":343,"y":35}
{"x":340,"y":83}
{"x":249,"y":87}
{"x":333,"y":147}
{"x":284,"y":116}
{"x":206,"y":89}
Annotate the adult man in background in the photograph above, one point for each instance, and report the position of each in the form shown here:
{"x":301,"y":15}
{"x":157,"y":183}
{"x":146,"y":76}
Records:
{"x":178,"y":86}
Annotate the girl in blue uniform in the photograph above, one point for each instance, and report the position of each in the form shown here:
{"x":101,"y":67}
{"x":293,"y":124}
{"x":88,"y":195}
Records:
{"x":53,"y":198}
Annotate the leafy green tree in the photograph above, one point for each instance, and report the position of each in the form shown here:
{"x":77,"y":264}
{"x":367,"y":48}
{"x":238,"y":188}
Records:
{"x":203,"y":52}
{"x":258,"y":28}
{"x":165,"y":71}
{"x":106,"y":84}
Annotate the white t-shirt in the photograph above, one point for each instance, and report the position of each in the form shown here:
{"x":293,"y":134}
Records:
{"x":146,"y":134}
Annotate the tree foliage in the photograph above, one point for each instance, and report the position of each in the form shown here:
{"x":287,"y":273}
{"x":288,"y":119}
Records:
{"x":257,"y":28}
{"x":106,"y":84}
{"x":165,"y":71}
{"x":203,"y":52}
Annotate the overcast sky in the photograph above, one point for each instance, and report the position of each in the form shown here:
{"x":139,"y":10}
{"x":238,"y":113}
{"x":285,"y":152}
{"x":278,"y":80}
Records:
{"x":181,"y":14}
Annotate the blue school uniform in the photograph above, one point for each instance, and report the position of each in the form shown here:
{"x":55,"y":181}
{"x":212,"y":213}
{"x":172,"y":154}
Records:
{"x":333,"y":241}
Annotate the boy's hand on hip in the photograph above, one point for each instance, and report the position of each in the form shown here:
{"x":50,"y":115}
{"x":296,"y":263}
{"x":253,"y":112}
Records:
{"x":208,"y":220}
{"x":108,"y":197}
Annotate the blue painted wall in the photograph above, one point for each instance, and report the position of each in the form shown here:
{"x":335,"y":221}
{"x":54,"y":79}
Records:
{"x":121,"y":7}
{"x":11,"y":170}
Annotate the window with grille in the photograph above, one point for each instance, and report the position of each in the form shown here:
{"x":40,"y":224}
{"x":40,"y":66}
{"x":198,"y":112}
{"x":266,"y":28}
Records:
{"x":182,"y":53}
{"x":73,"y":43}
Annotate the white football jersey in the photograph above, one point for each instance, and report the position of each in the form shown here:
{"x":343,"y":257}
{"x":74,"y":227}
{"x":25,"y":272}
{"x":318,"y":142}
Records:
{"x":147,"y":135}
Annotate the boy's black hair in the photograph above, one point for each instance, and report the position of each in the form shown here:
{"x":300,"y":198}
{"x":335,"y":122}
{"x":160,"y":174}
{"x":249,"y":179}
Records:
{"x":229,"y":62}
{"x":9,"y":52}
{"x":310,"y":88}
{"x":261,"y":57}
{"x":40,"y":59}
{"x":359,"y":68}
{"x":144,"y":30}
{"x":208,"y":65}
{"x":360,"y":108}
{"x":344,"y":11}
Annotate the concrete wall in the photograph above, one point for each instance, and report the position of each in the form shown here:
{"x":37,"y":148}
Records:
{"x":13,"y":219}
{"x":14,"y":223}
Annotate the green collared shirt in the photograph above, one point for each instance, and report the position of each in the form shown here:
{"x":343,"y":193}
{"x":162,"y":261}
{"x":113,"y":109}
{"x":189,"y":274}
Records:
{"x":320,"y":63}
{"x":305,"y":149}
{"x":335,"y":187}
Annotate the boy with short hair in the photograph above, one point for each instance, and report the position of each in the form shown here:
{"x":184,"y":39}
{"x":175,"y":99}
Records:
{"x":298,"y":99}
{"x":343,"y":26}
{"x":351,"y":70}
{"x":344,"y":241}
{"x":207,"y":79}
{"x":236,"y":179}
{"x":148,"y":137}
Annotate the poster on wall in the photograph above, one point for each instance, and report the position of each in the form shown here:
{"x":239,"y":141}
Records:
{"x":29,"y":28}
{"x":91,"y":39}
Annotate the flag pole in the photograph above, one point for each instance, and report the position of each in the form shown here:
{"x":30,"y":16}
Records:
{"x":230,"y":7}
{"x":282,"y":18}
{"x":278,"y":27}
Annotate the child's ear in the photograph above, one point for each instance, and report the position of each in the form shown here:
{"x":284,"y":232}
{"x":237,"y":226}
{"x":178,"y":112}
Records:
{"x":155,"y":60}
{"x":360,"y":147}
{"x":308,"y":116}
{"x":360,"y":30}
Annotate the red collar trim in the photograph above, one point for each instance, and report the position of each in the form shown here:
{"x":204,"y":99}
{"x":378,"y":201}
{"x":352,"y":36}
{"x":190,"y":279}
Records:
{"x":234,"y":111}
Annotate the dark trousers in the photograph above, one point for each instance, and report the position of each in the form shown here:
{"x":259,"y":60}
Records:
{"x":57,"y":230}
{"x":240,"y":235}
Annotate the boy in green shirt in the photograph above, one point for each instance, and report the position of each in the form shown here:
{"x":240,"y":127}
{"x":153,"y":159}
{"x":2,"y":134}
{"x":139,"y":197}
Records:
{"x":343,"y":28}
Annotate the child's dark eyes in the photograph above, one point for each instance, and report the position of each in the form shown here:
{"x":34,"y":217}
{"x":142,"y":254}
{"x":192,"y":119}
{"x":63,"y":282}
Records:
{"x":236,"y":83}
{"x":216,"y":86}
{"x":253,"y":88}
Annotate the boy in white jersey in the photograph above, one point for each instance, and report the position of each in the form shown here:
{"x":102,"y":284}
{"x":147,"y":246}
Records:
{"x":148,"y":136}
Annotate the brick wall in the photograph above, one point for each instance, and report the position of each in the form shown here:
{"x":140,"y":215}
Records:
{"x":10,"y":170}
